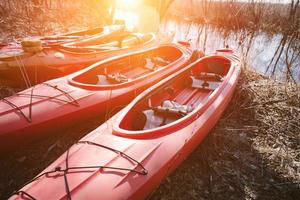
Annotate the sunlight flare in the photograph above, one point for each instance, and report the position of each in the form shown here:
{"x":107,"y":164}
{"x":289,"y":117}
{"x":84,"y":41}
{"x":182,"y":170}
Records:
{"x":135,"y":14}
{"x":128,"y":1}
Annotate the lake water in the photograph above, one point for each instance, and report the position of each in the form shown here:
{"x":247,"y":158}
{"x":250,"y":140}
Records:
{"x":258,"y":49}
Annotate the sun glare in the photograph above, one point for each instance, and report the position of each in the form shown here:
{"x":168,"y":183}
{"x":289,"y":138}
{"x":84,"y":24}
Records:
{"x":136,"y":15}
{"x":130,"y":19}
{"x":126,"y":11}
{"x":128,"y":1}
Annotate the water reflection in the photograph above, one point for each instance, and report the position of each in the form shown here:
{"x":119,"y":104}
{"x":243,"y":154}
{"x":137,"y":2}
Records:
{"x":270,"y":54}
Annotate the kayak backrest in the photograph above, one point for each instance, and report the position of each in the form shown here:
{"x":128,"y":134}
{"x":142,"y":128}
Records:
{"x":219,"y":65}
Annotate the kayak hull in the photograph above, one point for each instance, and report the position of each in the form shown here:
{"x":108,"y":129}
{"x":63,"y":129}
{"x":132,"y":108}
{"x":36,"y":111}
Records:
{"x":155,"y":156}
{"x":57,"y":62}
{"x":35,"y":112}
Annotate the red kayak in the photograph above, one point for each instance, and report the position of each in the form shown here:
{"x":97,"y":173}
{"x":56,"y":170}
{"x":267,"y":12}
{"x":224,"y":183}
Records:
{"x":130,"y":155}
{"x":106,"y":85}
{"x":74,"y":36}
{"x":56,"y":62}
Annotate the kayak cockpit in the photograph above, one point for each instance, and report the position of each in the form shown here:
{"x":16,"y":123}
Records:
{"x":129,"y":68}
{"x":176,"y":100}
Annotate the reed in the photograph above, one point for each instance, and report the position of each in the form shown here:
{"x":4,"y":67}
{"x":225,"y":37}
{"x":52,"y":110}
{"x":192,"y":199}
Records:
{"x":252,"y":18}
{"x":234,"y":15}
{"x":21,"y":18}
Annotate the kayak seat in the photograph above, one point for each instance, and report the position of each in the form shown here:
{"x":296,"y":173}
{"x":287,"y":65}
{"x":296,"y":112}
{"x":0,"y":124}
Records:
{"x":105,"y":79}
{"x":174,"y":108}
{"x":102,"y":80}
{"x":150,"y":65}
{"x":160,"y":61}
{"x":206,"y":81}
{"x":154,"y":63}
{"x":117,"y":78}
{"x":166,"y":113}
{"x":216,"y":67}
{"x":210,"y":76}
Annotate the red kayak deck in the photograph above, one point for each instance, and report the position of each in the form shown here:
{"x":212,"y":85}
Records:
{"x":65,"y":59}
{"x":97,"y":89}
{"x":120,"y":160}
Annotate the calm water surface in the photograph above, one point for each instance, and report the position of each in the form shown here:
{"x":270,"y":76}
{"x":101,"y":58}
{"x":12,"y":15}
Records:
{"x":258,"y":49}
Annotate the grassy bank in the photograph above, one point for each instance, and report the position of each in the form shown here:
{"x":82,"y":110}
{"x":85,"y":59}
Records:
{"x":252,"y":153}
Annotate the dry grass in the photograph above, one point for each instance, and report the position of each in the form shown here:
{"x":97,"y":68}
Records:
{"x":267,"y":16}
{"x":23,"y":18}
